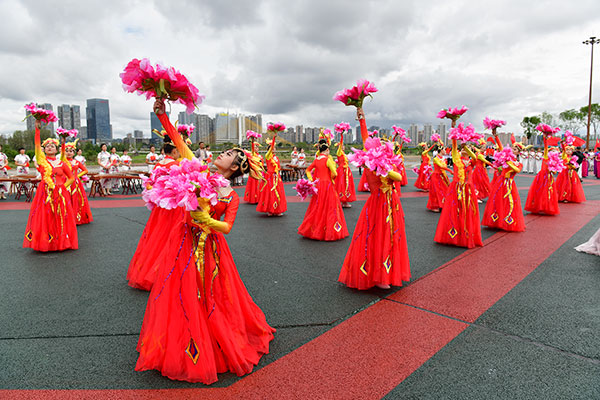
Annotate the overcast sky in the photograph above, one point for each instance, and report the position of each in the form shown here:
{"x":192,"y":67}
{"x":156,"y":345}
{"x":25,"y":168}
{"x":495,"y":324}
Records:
{"x":286,"y":59}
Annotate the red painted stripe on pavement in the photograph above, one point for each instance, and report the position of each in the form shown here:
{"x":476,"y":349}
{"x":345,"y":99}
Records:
{"x":466,"y":287}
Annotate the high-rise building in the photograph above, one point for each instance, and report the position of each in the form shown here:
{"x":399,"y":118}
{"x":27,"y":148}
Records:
{"x":226,"y":128}
{"x":250,"y":122}
{"x":69,"y":116}
{"x":427,"y":132}
{"x":83,"y":133}
{"x":185,"y":118}
{"x":155,"y":124}
{"x":31,"y":121}
{"x":441,"y":130}
{"x":299,"y":134}
{"x":204,"y":129}
{"x":98,"y":120}
{"x":413,"y":133}
{"x":137,"y":134}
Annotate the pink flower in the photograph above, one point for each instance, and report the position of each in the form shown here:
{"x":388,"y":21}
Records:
{"x":185,"y":129}
{"x":401,"y":133}
{"x":251,"y":134}
{"x":441,"y":114}
{"x":501,"y":158}
{"x":141,"y":77}
{"x":452,"y":113}
{"x":547,"y":129}
{"x":276,"y":127}
{"x":342,"y":127}
{"x":466,"y":134}
{"x":306,"y":188}
{"x":43,"y":115}
{"x":493,"y":123}
{"x":573,"y":161}
{"x":356,"y":95}
{"x":435,"y":137}
{"x":378,"y":156}
{"x":569,"y":138}
{"x":555,"y":163}
{"x":327,"y":134}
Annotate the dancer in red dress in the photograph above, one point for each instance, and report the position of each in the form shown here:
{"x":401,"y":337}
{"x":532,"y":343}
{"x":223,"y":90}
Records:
{"x":481,"y":180}
{"x":324,"y":218}
{"x":362,"y":183}
{"x":271,"y":199}
{"x":543,"y":195}
{"x":439,"y":183}
{"x":402,"y":166}
{"x":143,"y":267}
{"x":503,"y":209}
{"x":568,"y":183}
{"x":378,"y":254}
{"x":256,"y":178}
{"x":200,"y":319}
{"x":51,"y":224}
{"x":424,"y":177}
{"x":344,"y":181}
{"x":459,"y":219}
{"x":79,"y":200}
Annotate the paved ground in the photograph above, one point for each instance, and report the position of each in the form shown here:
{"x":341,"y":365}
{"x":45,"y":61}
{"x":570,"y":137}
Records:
{"x":518,"y":318}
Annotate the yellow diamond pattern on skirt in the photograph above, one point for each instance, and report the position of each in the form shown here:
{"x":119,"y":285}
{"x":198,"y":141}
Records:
{"x":452,"y":232}
{"x":337,"y":227}
{"x":494,"y":217}
{"x":509,"y":220}
{"x":192,"y":351}
{"x":275,"y":205}
{"x":387,"y":264}
{"x":362,"y":268}
{"x":29,"y":236}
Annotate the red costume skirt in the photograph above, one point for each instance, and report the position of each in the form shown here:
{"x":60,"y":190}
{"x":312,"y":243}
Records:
{"x":423,"y":180}
{"x":81,"y":206}
{"x":437,"y":190}
{"x":272,"y":195}
{"x":143,"y":267}
{"x":481,"y":181}
{"x":459,"y":220}
{"x":51,"y":224}
{"x":503,"y":209}
{"x":569,"y":186}
{"x":252,"y":190}
{"x":378,"y":253}
{"x":362,"y":183}
{"x":404,"y":180}
{"x":324,"y":218}
{"x":344,"y":185}
{"x":543,"y":196}
{"x":200,"y":319}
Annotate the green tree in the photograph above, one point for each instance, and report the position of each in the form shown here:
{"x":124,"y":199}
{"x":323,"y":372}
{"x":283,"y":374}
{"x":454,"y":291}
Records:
{"x":26,"y":138}
{"x":571,"y":120}
{"x":594,"y":119}
{"x":529,"y":124}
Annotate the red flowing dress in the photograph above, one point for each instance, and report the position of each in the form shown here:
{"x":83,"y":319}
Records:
{"x":404,"y":180}
{"x":254,"y":181}
{"x":503,"y":209}
{"x":271,"y":198}
{"x":51,"y":223}
{"x":543,"y":195}
{"x":378,"y":253}
{"x":344,"y":181}
{"x":423,"y":179}
{"x":439,"y":184}
{"x":200,"y":319}
{"x":144,"y":264}
{"x":459,"y":220}
{"x":79,"y":200}
{"x":324,"y":218}
{"x":569,"y":186}
{"x":362,"y":183}
{"x":481,"y":181}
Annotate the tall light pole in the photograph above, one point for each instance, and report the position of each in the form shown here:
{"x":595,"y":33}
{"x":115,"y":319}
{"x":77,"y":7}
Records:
{"x":592,"y":40}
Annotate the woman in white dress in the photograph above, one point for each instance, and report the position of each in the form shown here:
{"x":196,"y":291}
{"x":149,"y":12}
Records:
{"x":294,"y":156}
{"x":301,"y":159}
{"x":22,"y":161}
{"x":79,"y":157}
{"x":3,"y":173}
{"x":524,"y":159}
{"x":539,"y":156}
{"x":532,"y":162}
{"x":125,"y":161}
{"x":104,"y":162}
{"x":151,"y":158}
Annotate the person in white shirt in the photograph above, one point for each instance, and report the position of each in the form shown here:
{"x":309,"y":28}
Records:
{"x":79,"y":157}
{"x":115,"y":161}
{"x":209,"y":158}
{"x":161,"y":156}
{"x":301,"y":159}
{"x":202,"y":153}
{"x":294,"y":156}
{"x":151,"y":158}
{"x":538,"y":161}
{"x":22,"y":161}
{"x":126,"y":161}
{"x":3,"y":173}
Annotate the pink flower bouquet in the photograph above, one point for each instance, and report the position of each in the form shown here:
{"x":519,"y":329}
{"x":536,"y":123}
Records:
{"x":67,"y":133}
{"x":46,"y":116}
{"x":569,"y":138}
{"x":501,"y":158}
{"x":342,"y":127}
{"x":306,"y":188}
{"x":555,"y":162}
{"x":573,"y":161}
{"x":377,"y":155}
{"x":547,"y":129}
{"x":252,"y":135}
{"x":276,"y":127}
{"x":465,"y":133}
{"x":326,"y":134}
{"x":452,"y":113}
{"x":186,"y":129}
{"x":436,"y":138}
{"x":493,"y":123}
{"x":356,"y":95}
{"x":160,"y":82}
{"x":182,"y":185}
{"x":401,"y":133}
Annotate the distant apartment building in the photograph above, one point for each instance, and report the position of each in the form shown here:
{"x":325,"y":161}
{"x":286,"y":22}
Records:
{"x":441,"y":130}
{"x":69,"y":116}
{"x":427,"y":132}
{"x":31,"y":121}
{"x":155,"y":124}
{"x":137,"y":134}
{"x":205,"y":130}
{"x":413,"y":134}
{"x":98,"y":120}
{"x":299,"y":134}
{"x":226,"y":128}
